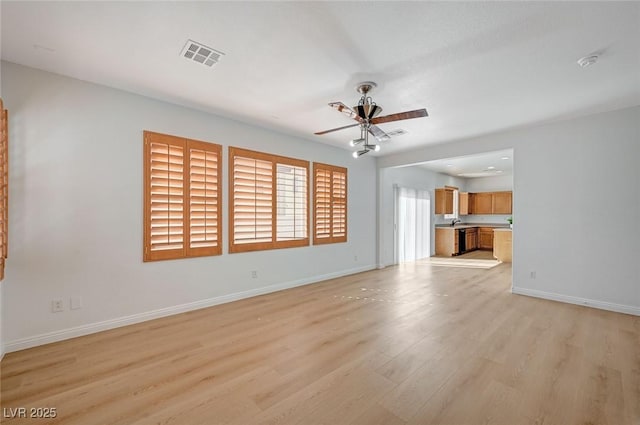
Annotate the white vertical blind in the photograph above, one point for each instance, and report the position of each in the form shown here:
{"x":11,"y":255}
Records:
{"x":413,"y":224}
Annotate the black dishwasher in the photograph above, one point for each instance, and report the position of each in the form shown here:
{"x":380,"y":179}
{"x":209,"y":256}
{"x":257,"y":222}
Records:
{"x":462,"y":241}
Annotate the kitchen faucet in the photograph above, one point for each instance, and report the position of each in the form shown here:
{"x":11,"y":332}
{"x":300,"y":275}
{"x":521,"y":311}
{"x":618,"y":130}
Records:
{"x":455,"y":220}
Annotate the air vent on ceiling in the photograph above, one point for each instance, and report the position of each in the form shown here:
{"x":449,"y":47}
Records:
{"x":396,"y":133}
{"x":200,"y":53}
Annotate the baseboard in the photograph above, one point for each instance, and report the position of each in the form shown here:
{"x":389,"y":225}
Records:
{"x":60,"y":335}
{"x":603,"y":305}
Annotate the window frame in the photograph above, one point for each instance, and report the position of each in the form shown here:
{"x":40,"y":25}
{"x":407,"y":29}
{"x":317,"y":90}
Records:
{"x":274,"y":160}
{"x":331,"y":239}
{"x":186,"y":251}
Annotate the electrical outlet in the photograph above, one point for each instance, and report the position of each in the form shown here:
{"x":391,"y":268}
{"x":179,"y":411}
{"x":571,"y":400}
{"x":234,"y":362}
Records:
{"x":57,"y":305}
{"x":533,"y":274}
{"x":355,"y":258}
{"x":254,"y":274}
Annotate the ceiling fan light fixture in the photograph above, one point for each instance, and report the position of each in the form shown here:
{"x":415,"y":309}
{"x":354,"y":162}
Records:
{"x":366,"y":116}
{"x":375,"y":148}
{"x":356,"y":142}
{"x":358,"y":154}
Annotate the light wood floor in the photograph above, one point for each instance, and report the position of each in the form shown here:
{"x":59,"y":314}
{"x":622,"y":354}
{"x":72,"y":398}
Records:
{"x":412,"y":344}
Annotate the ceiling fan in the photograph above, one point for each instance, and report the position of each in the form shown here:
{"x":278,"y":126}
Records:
{"x":366,"y":114}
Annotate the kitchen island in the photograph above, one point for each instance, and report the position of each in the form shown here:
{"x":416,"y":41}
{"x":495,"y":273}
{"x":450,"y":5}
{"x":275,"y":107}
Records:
{"x":502,"y":244}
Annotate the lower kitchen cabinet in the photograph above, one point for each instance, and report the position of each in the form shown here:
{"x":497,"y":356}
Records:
{"x":446,"y":241}
{"x":485,"y":238}
{"x":471,"y":239}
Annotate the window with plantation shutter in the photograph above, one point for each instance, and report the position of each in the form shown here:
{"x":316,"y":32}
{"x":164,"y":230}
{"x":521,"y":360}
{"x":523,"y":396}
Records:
{"x":268,"y":205}
{"x":4,"y":185}
{"x":330,"y":204}
{"x":182,"y":213}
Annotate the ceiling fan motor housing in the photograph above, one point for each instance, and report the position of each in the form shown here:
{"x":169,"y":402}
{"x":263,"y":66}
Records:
{"x":367,"y":111}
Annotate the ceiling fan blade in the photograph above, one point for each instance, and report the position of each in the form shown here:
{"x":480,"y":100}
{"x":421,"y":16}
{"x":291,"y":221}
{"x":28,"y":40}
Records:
{"x":341,"y":107}
{"x":320,"y":133}
{"x":378,"y":133}
{"x":418,"y":113}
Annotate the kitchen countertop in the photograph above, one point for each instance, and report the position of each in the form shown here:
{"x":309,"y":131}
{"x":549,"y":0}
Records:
{"x":500,"y":229}
{"x":472,"y":225}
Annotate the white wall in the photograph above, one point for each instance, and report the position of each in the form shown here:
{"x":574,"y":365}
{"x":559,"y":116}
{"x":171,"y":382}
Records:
{"x":576,"y":206}
{"x":412,"y":177}
{"x":489,"y":184}
{"x":76,"y":211}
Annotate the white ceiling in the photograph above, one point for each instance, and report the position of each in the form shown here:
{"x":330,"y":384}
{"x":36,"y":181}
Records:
{"x":498,"y":163}
{"x":478,"y":67}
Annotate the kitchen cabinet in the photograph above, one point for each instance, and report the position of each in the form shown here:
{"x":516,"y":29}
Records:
{"x":471,"y":241}
{"x":446,"y":241}
{"x":502,"y":244}
{"x":463,"y":203}
{"x":472,"y":203}
{"x":483,"y":203}
{"x":502,"y":202}
{"x":490,"y":203}
{"x":485,"y":238}
{"x":444,"y":201}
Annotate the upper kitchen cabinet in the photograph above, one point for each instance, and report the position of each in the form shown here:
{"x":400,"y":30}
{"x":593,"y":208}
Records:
{"x":490,"y":203}
{"x":502,"y":202}
{"x":483,"y":203}
{"x":444,"y":200}
{"x":463,"y":203}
